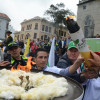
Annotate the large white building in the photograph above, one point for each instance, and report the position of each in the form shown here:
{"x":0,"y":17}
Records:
{"x":88,"y":17}
{"x":4,"y":22}
{"x":39,"y":28}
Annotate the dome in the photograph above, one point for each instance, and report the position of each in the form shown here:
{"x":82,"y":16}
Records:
{"x":4,"y":16}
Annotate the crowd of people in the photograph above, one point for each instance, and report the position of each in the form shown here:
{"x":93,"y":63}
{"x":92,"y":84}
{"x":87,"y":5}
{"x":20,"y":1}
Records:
{"x":68,"y":62}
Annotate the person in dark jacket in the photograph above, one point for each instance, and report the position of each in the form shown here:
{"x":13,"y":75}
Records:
{"x":46,"y":44}
{"x":21,"y":44}
{"x":69,"y":59}
{"x":6,"y":42}
{"x":61,"y":45}
{"x":8,"y":39}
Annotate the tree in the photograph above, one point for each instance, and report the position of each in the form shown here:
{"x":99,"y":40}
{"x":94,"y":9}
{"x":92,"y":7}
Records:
{"x":58,"y":13}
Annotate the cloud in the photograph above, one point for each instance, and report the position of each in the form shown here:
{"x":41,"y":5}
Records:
{"x":18,"y":10}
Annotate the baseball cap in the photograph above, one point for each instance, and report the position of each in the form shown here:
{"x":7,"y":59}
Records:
{"x":71,"y":45}
{"x":8,"y":32}
{"x":12,"y":44}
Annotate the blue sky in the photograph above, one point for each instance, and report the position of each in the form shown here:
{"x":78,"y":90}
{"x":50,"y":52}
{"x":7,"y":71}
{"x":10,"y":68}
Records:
{"x":18,"y":10}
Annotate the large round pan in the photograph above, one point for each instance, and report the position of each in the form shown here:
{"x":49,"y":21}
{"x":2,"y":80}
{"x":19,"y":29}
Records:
{"x":75,"y":90}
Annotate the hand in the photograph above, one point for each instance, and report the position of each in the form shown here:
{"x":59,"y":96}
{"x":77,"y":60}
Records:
{"x":76,"y":65}
{"x":90,"y":73}
{"x":95,"y":59}
{"x":4,"y":63}
{"x":79,"y":60}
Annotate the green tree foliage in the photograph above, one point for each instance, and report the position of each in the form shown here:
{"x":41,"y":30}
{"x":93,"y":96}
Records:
{"x":58,"y":13}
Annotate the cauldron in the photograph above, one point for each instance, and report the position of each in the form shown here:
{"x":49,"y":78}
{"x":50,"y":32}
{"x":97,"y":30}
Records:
{"x":75,"y":89}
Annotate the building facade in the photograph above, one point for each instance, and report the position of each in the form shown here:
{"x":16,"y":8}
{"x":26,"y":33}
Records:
{"x":39,"y":28}
{"x":88,"y":17}
{"x":4,"y":23}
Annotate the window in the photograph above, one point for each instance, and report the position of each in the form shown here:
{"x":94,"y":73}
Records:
{"x":0,"y":24}
{"x":22,"y":36}
{"x":84,"y":7}
{"x":41,"y":37}
{"x":26,"y":37}
{"x":31,"y":26}
{"x":46,"y":29}
{"x":35,"y":35}
{"x":64,"y":34}
{"x":36,"y":26}
{"x":22,"y":29}
{"x":28,"y":27}
{"x":49,"y":29}
{"x":18,"y":37}
{"x":45,"y":36}
{"x":61,"y":33}
{"x":43,"y":27}
{"x":89,"y":27}
{"x":7,"y":26}
{"x":55,"y":31}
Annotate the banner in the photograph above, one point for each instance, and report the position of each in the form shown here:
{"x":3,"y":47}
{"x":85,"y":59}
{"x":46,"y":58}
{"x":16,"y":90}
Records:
{"x":94,"y":44}
{"x":51,"y":59}
{"x":26,"y":53}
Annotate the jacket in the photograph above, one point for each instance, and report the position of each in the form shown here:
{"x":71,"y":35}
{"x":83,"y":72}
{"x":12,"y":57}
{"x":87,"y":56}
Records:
{"x":64,"y":63}
{"x":8,"y":40}
{"x":23,"y":64}
{"x":60,"y":44}
{"x":47,"y":46}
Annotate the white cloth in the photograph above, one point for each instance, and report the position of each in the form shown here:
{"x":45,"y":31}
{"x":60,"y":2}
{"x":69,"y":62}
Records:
{"x":52,"y":69}
{"x":62,"y":44}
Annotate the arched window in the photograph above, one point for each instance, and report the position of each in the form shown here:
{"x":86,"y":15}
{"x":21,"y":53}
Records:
{"x":36,"y":26}
{"x":18,"y":37}
{"x":89,"y":27}
{"x":27,"y":35}
{"x":42,"y":37}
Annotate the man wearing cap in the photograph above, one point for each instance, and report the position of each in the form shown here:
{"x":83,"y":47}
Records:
{"x":9,"y":38}
{"x":46,"y":44}
{"x":5,"y":43}
{"x":17,"y":61}
{"x":70,"y":58}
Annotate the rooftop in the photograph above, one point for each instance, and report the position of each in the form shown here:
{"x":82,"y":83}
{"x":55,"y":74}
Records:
{"x":4,"y":16}
{"x":84,"y":1}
